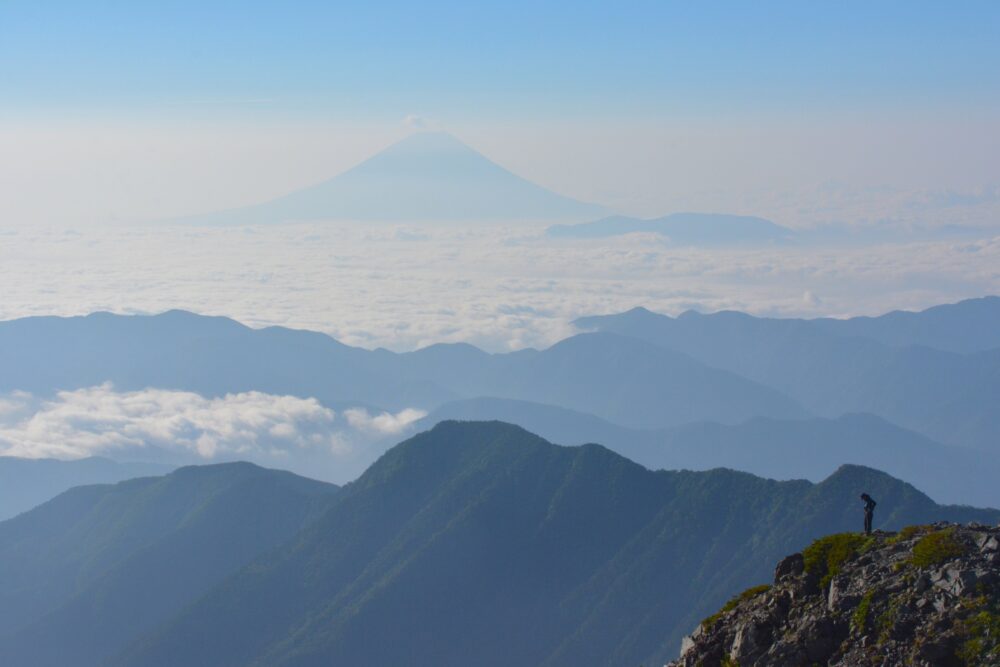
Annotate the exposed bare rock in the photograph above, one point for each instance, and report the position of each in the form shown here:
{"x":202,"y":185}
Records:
{"x":928,"y":596}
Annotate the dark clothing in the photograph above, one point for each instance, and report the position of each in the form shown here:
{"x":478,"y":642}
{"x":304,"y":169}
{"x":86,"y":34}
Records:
{"x":869,"y":512}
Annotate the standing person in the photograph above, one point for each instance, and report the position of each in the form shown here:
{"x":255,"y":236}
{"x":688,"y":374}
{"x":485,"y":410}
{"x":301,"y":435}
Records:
{"x":869,"y":512}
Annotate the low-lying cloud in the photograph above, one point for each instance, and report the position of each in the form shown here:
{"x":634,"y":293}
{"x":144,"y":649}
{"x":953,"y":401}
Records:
{"x":385,"y":423}
{"x":183,"y":425}
{"x":496,"y":288}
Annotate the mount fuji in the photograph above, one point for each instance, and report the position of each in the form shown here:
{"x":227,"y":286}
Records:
{"x":426,"y":177}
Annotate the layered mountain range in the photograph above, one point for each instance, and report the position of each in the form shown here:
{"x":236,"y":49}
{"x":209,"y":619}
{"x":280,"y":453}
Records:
{"x":936,"y":372}
{"x":913,"y":394}
{"x":471,"y":543}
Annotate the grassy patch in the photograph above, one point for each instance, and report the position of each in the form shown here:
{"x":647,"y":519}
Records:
{"x":906,"y":533}
{"x":827,"y":555}
{"x":935,"y":548}
{"x":732,"y":604}
{"x":859,"y":620}
{"x":981,"y":632}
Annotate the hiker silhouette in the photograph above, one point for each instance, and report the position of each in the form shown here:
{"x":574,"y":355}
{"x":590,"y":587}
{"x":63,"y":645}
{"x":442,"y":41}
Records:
{"x":869,"y":512}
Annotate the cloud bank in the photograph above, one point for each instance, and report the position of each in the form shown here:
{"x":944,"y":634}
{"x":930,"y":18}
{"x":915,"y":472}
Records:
{"x":385,"y":423}
{"x":251,"y":425}
{"x":498,"y":288}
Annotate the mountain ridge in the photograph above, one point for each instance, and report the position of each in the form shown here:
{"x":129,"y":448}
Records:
{"x":26,"y":483}
{"x":99,"y":564}
{"x":478,"y":527}
{"x":615,"y":377}
{"x":807,"y":448}
{"x":837,"y":366}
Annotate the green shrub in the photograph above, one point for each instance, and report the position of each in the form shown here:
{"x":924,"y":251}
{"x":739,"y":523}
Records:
{"x":827,"y":555}
{"x":733,"y":602}
{"x":935,"y":548}
{"x":981,"y":633}
{"x":860,"y":618}
{"x":906,"y":533}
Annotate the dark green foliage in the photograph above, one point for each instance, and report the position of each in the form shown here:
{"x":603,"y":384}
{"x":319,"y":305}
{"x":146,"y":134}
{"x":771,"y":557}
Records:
{"x":748,"y":594}
{"x":870,"y":543}
{"x":981,"y":632}
{"x":859,"y":619}
{"x":825,"y":556}
{"x":906,"y":533}
{"x":937,"y":547}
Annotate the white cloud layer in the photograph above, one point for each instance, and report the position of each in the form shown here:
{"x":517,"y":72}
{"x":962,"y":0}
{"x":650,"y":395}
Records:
{"x":101,"y":421}
{"x":500,"y":288}
{"x":385,"y":423}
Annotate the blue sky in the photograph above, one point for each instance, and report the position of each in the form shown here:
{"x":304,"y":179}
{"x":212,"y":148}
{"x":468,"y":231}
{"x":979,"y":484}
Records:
{"x":510,"y":59}
{"x":807,"y":112}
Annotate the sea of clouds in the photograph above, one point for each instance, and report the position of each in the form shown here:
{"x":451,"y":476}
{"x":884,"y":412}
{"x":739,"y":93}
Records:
{"x":403,"y":287}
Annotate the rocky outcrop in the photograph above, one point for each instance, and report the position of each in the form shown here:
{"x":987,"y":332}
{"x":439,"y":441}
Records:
{"x":928,"y":596}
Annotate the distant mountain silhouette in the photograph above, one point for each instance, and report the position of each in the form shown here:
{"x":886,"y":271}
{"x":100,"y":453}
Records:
{"x":427,"y":177}
{"x":972,"y":325}
{"x":696,"y":229}
{"x":626,"y":380}
{"x":87,"y":572}
{"x":25,"y":483}
{"x":775,"y":448}
{"x":899,"y":366}
{"x":968,"y":326}
{"x":464,"y":537}
{"x":637,"y":370}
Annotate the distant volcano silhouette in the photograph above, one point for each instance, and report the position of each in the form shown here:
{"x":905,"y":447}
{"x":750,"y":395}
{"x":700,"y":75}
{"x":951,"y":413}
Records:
{"x":427,"y":177}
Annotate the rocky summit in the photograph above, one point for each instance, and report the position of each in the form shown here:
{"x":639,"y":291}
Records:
{"x":927,"y":596}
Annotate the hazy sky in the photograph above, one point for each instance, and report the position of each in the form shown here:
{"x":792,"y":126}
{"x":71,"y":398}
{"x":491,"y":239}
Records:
{"x":123,"y":110}
{"x":881,"y":114}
